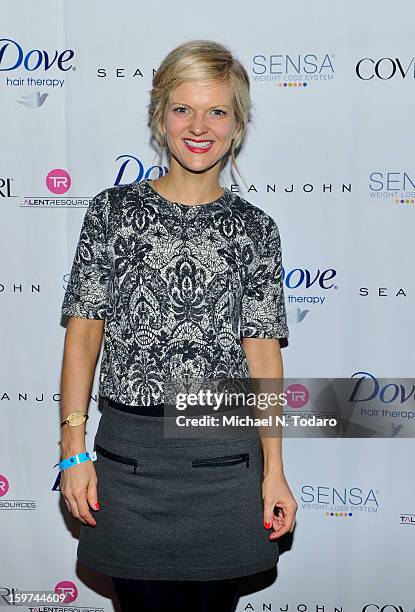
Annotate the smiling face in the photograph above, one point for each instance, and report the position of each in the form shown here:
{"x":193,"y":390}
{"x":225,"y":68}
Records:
{"x":200,"y":123}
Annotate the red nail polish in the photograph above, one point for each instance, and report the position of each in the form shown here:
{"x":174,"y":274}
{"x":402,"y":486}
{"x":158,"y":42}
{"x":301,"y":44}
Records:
{"x":267,"y":525}
{"x":96,"y":506}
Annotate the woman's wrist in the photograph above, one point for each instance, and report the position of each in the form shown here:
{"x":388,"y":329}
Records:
{"x":71,"y":447}
{"x":276,"y":468}
{"x":65,"y":454}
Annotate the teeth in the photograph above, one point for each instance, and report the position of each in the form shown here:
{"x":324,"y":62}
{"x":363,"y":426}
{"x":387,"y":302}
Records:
{"x":200,"y":145}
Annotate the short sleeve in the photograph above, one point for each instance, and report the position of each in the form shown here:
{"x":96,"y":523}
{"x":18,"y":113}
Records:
{"x":87,"y":288}
{"x":263,"y":301}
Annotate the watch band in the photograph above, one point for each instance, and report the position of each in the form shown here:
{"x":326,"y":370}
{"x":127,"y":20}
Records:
{"x":75,"y":418}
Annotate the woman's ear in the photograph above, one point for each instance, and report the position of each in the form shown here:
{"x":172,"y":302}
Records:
{"x":237,"y":129}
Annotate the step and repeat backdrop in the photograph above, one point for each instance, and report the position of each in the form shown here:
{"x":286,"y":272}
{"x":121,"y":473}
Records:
{"x":329,"y":154}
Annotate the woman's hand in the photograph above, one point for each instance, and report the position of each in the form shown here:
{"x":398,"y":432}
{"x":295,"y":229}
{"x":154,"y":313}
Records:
{"x":276,"y":492}
{"x":78,"y":485}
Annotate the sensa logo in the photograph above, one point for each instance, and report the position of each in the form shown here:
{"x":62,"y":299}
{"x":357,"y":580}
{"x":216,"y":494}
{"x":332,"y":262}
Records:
{"x":13,"y":56}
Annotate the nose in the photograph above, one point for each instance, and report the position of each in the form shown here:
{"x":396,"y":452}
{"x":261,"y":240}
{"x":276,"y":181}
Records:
{"x":198,"y":124}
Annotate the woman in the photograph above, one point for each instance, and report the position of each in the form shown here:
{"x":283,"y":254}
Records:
{"x":186,"y":277}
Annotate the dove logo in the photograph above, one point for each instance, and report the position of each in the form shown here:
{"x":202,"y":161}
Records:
{"x":304,"y":278}
{"x":388,"y":393}
{"x":13,"y":56}
{"x":135,"y":169}
{"x":33,"y":100}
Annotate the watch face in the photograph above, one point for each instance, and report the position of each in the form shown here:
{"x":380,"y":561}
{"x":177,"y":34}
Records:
{"x":76,"y":418}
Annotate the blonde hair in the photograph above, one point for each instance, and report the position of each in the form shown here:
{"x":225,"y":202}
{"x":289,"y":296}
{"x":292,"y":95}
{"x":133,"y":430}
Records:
{"x":200,"y":59}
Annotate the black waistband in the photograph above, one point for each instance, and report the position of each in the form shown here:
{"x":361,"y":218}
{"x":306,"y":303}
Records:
{"x":151,"y":410}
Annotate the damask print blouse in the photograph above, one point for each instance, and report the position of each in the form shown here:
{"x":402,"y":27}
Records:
{"x":178,"y":286}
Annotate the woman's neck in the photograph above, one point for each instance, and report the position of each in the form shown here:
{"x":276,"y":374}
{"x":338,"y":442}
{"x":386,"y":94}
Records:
{"x":193,"y":191}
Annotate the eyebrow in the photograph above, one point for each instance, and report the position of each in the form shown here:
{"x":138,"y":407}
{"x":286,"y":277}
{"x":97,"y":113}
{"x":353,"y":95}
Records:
{"x":181,"y":104}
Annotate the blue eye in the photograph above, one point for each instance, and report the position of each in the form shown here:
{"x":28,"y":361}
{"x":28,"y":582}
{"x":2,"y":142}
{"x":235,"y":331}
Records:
{"x":182,"y":108}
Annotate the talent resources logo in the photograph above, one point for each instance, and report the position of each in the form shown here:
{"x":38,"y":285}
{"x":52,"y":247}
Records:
{"x":396,"y":186}
{"x":58,"y":182}
{"x":61,"y":598}
{"x":385,"y":68}
{"x":340,"y":501}
{"x":68,"y":589}
{"x":34,"y":67}
{"x":293,"y":71}
{"x":4,"y":485}
{"x":298,"y":395}
{"x":13,"y":504}
{"x":407,"y":519}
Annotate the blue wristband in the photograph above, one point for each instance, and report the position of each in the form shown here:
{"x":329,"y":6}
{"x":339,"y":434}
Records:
{"x":76,"y":459}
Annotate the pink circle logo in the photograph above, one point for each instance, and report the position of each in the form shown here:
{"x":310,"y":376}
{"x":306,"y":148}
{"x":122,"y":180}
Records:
{"x":297,"y":395}
{"x":58,"y":181}
{"x":68,"y":588}
{"x":4,"y":485}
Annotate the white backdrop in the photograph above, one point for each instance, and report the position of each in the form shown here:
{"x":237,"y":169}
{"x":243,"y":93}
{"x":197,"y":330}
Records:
{"x":329,"y":154}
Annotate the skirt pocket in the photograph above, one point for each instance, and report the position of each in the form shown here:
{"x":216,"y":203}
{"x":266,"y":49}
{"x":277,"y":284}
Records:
{"x":221,"y":461}
{"x":115,"y":457}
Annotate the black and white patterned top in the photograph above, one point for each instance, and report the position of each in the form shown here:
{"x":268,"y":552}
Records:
{"x":178,"y":286}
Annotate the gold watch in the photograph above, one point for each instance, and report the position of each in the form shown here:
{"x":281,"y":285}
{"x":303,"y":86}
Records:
{"x":75,"y":418}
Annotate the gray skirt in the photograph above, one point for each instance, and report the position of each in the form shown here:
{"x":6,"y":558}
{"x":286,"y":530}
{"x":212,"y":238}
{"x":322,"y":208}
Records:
{"x":174,"y":509}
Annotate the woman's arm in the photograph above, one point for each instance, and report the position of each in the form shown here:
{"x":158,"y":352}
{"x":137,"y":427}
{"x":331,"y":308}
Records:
{"x":265,"y":361}
{"x":81,"y":349}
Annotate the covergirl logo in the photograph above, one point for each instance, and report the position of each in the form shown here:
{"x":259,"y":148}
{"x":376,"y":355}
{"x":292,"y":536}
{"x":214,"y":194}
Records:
{"x":385,"y":68}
